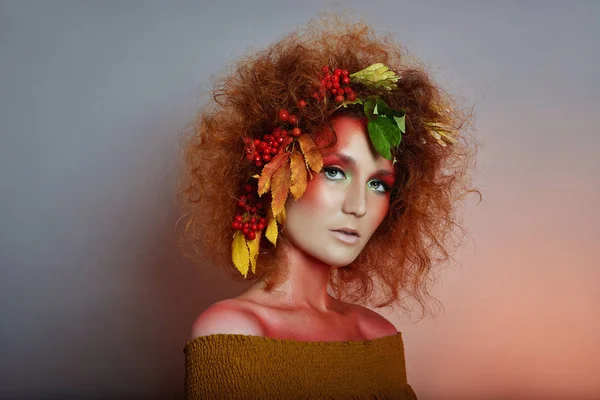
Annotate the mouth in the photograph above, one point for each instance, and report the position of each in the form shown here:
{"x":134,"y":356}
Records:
{"x":347,"y":231}
{"x":347,"y":236}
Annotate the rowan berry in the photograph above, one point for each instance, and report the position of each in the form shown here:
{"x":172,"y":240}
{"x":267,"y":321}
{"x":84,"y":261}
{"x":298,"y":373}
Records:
{"x":296,"y":132}
{"x":346,"y":80}
{"x":254,"y":227}
{"x":336,"y":85}
{"x":250,"y":235}
{"x":339,"y":98}
{"x":301,"y":103}
{"x":352,"y":96}
{"x":293,"y":119}
{"x":345,"y":72}
{"x":283,"y":115}
{"x":273,"y":151}
{"x":325,"y":69}
{"x":245,"y":231}
{"x":348,"y":90}
{"x":260,"y":226}
{"x":333,"y":91}
{"x":258,"y":163}
{"x":238,"y":218}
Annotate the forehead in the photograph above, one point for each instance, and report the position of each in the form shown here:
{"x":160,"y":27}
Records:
{"x":353,"y":141}
{"x":351,"y":131}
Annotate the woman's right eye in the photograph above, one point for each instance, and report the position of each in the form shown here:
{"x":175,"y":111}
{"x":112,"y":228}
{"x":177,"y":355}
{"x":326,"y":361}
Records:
{"x":334,"y":173}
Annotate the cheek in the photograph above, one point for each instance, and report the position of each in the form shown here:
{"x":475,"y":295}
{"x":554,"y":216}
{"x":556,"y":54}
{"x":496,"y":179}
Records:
{"x":317,"y":195}
{"x":378,"y":209}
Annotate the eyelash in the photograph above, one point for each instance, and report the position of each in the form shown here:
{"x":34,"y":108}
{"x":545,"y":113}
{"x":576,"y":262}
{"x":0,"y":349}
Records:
{"x":385,"y":187}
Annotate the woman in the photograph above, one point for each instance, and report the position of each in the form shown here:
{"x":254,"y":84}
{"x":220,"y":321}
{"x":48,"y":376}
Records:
{"x":329,"y":159}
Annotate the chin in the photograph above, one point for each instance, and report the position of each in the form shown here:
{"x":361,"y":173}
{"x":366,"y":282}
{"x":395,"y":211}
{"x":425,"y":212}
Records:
{"x":336,"y":260}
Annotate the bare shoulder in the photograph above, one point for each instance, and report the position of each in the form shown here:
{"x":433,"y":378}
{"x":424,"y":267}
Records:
{"x":372,"y":323}
{"x":227,"y":317}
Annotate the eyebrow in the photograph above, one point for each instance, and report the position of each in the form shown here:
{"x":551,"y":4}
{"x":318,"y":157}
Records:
{"x":351,"y":161}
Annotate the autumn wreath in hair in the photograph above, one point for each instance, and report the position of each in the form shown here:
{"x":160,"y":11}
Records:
{"x":287,"y":155}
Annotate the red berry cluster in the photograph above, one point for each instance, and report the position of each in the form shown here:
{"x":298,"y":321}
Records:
{"x":335,"y":84}
{"x":262,"y":151}
{"x":251,"y":215}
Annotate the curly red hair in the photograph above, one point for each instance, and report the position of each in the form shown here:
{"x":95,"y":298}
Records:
{"x":418,"y":231}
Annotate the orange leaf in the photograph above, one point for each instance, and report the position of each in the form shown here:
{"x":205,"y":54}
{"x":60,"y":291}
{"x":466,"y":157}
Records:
{"x":253,"y":247}
{"x":311,"y":152}
{"x":264,"y":182}
{"x":298,"y":168}
{"x":239,"y":253}
{"x":271,"y":232}
{"x":279,"y":188}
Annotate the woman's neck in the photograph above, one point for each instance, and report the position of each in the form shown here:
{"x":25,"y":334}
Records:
{"x":305,"y":286}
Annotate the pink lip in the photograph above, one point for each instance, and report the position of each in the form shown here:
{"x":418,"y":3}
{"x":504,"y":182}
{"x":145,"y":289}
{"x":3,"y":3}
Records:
{"x":348,"y":230}
{"x":346,"y":237}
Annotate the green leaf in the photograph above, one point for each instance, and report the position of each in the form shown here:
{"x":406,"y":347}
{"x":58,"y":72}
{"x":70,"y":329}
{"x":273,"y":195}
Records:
{"x":369,"y":106}
{"x":385,"y":125}
{"x":400,"y":121}
{"x":384,"y":134}
{"x":347,"y":103}
{"x":397,"y":115}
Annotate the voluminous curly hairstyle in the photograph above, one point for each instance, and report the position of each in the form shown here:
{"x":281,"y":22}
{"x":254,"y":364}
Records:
{"x":420,"y":228}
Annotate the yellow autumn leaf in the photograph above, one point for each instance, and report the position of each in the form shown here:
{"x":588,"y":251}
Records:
{"x":264,"y":182}
{"x":239,"y":253}
{"x":271,"y":232}
{"x":253,"y":247}
{"x":312,"y":155}
{"x":280,"y":186}
{"x":281,"y":217}
{"x":298,"y":176}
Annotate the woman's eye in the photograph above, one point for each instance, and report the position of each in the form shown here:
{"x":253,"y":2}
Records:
{"x":333,"y":173}
{"x":379,"y":186}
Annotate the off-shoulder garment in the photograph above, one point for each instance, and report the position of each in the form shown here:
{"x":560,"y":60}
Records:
{"x":254,"y":367}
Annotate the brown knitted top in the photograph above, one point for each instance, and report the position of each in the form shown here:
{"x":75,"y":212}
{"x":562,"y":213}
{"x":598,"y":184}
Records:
{"x":254,"y":367}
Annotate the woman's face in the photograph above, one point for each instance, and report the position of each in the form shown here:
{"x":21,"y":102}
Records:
{"x":351,"y":194}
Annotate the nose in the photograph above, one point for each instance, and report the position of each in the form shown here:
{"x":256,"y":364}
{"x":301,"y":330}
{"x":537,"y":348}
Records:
{"x":355,"y":200}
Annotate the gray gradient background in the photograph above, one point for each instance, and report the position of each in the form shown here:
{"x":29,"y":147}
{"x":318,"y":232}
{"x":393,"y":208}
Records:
{"x":95,"y":300}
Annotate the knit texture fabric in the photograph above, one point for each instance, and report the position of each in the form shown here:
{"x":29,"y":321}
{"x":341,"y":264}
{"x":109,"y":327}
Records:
{"x":255,"y":367}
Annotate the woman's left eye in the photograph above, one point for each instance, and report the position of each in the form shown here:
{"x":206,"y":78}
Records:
{"x":378,"y":186}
